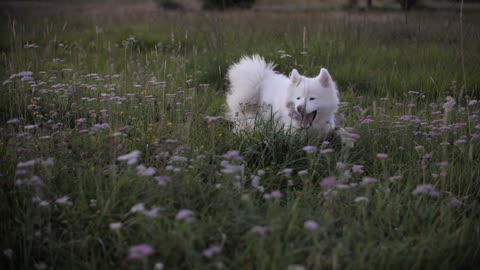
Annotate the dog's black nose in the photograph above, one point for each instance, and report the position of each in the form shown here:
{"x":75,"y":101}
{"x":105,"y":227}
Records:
{"x":300,"y":109}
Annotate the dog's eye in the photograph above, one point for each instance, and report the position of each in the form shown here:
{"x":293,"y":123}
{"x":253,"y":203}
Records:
{"x":312,"y":98}
{"x":298,"y":98}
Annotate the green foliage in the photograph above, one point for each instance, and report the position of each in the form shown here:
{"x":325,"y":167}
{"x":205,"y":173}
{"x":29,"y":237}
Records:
{"x":100,"y":91}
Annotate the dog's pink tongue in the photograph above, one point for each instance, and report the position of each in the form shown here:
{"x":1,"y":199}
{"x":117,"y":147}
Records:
{"x":308,"y":119}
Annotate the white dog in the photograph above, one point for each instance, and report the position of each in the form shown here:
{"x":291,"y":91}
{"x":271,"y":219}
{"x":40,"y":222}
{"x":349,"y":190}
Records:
{"x":257,"y":92}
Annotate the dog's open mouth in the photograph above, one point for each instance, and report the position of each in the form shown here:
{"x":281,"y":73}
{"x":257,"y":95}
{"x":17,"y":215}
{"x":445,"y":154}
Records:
{"x":307,"y":119}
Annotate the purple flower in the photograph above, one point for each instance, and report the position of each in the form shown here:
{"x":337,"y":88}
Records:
{"x":184,"y":214}
{"x":395,"y":178}
{"x":310,"y":225}
{"x":382,"y":156}
{"x":162,"y":180}
{"x":419,"y":147}
{"x":144,"y":171}
{"x":428,"y":189}
{"x":131,"y":158}
{"x":286,"y":172}
{"x":328,"y":182}
{"x":327,"y":151}
{"x":140,"y":251}
{"x":341,"y":165}
{"x":309,"y":149}
{"x":232,"y":154}
{"x":357,"y":168}
{"x":277,"y":194}
{"x":212,"y":251}
{"x":448,"y":106}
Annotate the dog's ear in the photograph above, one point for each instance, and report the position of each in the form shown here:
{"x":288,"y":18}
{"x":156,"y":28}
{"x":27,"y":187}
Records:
{"x":325,"y":78}
{"x":295,"y":76}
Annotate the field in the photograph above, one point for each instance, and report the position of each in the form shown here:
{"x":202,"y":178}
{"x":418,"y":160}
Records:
{"x":114,"y":155}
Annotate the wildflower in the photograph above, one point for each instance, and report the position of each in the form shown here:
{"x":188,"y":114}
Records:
{"x":212,"y":251}
{"x":327,"y":151}
{"x":13,"y":121}
{"x":286,"y":172}
{"x":310,"y":225}
{"x":26,"y":164}
{"x":131,"y":157}
{"x":361,"y":199}
{"x":395,"y":178}
{"x":276,"y":194}
{"x":162,"y":180}
{"x":382,"y":155}
{"x":460,"y":141}
{"x":30,"y":127}
{"x":428,"y":189}
{"x":328,"y":182}
{"x":65,"y":200}
{"x":184,"y":214}
{"x":273,"y":195}
{"x":419,"y":147}
{"x":368,"y":180}
{"x":144,"y":171}
{"x":140,"y":251}
{"x":230,"y":168}
{"x":448,"y":106}
{"x":341,"y":165}
{"x":158,"y":266}
{"x":455,"y":202}
{"x":232,"y":154}
{"x":262,"y":230}
{"x":178,"y":159}
{"x":138,"y":208}
{"x":443,"y":164}
{"x":152,"y":213}
{"x":303,"y":172}
{"x":347,"y":174}
{"x":366,"y":121}
{"x":472,"y":102}
{"x":357,"y":169}
{"x":343,"y":186}
{"x":309,"y":149}
{"x":48,"y":162}
{"x":115,"y":226}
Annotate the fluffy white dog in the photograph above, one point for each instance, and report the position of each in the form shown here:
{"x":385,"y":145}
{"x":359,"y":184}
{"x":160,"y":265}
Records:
{"x":257,"y":92}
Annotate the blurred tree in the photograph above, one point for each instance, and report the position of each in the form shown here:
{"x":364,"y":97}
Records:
{"x":407,"y":4}
{"x":224,"y":4}
{"x":168,"y":4}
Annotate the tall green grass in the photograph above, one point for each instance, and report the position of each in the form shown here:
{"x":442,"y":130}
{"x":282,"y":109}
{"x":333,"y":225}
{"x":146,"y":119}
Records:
{"x":88,"y":74}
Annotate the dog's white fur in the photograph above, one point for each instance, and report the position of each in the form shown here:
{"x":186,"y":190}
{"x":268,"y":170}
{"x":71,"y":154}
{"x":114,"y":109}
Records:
{"x":256,"y":92}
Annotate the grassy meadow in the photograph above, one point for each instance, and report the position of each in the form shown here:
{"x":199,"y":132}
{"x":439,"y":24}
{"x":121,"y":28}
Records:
{"x":114,"y":155}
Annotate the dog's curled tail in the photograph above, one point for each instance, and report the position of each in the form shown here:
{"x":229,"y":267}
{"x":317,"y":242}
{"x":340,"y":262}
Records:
{"x":245,"y":79}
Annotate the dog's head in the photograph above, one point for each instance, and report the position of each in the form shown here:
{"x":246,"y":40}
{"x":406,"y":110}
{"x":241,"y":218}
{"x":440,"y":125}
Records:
{"x":309,"y":97}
